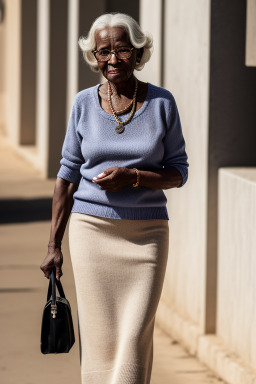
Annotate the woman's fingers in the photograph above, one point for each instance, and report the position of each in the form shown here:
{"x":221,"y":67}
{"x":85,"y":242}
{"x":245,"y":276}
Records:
{"x":58,"y":261}
{"x":105,"y":174}
{"x":100,"y":176}
{"x":58,"y":272}
{"x":52,"y":260}
{"x":112,"y":183}
{"x":46,"y":272}
{"x":113,"y":179}
{"x":46,"y":268}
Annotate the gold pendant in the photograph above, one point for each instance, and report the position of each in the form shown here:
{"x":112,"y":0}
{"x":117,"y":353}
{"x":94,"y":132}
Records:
{"x":120,"y":128}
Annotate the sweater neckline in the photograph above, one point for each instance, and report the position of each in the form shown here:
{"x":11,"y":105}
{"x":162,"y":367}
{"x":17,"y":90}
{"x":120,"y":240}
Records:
{"x":123,"y":117}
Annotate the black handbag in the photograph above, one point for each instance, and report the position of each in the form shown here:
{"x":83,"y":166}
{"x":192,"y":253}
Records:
{"x":57,"y":331}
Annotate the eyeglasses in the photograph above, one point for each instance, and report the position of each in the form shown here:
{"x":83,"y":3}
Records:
{"x":120,"y":53}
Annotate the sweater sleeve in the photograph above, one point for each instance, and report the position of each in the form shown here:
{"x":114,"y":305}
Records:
{"x":174,"y":144}
{"x":72,"y":157}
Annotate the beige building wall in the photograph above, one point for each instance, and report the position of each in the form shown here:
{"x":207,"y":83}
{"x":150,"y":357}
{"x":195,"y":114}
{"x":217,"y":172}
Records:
{"x":251,"y":33}
{"x":237,"y":262}
{"x":181,"y":49}
{"x":2,"y":71}
{"x":209,"y":285}
{"x":18,"y":78}
{"x":12,"y":70}
{"x":43,"y":83}
{"x":151,"y":22}
{"x":231,"y":352}
{"x":186,"y":75}
{"x":73,"y":56}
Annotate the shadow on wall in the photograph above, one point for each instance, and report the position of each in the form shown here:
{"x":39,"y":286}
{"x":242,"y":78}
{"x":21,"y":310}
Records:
{"x":25,"y":210}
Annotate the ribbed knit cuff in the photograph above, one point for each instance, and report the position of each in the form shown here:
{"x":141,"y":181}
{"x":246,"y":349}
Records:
{"x":184,"y":173}
{"x":73,"y":176}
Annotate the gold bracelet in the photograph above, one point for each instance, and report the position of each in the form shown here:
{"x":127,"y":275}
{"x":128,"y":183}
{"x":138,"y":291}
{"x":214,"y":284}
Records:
{"x":138,"y":178}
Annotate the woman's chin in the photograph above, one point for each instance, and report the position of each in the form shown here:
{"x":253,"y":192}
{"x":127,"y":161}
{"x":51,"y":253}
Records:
{"x":117,"y":76}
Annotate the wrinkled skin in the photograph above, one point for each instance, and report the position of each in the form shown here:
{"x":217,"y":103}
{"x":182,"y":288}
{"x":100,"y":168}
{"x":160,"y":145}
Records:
{"x":112,"y":38}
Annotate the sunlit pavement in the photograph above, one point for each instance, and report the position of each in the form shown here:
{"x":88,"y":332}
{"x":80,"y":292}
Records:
{"x":25,"y":211}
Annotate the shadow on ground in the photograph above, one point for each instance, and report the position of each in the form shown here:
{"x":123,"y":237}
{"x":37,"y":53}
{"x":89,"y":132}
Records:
{"x":25,"y":210}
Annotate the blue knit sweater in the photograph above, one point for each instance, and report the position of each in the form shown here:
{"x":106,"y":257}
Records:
{"x":152,"y":140}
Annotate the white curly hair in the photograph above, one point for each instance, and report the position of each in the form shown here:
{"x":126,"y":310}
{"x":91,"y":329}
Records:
{"x":138,"y":38}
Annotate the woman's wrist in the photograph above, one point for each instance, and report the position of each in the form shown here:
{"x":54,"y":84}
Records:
{"x":165,"y":178}
{"x":54,"y":244}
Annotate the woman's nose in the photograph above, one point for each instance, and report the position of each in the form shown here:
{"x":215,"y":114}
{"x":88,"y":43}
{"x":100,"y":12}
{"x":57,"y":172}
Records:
{"x":113,"y":59}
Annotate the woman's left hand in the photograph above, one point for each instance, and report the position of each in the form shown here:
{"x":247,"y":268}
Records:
{"x":115,"y":178}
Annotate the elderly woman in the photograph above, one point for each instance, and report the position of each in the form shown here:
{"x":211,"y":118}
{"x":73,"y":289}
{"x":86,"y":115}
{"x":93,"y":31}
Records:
{"x":123,"y":146}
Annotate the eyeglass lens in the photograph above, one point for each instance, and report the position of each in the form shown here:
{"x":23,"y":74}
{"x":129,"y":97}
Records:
{"x":121,"y":53}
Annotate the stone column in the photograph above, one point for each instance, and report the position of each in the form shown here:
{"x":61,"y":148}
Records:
{"x":20,"y":70}
{"x":2,"y":65}
{"x":72,"y":59}
{"x":186,"y":76}
{"x":153,"y":70}
{"x":205,"y":69}
{"x":87,"y":14}
{"x":251,"y":33}
{"x":232,"y":121}
{"x":51,"y":82}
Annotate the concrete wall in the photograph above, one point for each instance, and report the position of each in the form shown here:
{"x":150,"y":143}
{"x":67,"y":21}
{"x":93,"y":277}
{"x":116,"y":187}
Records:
{"x":19,"y":70}
{"x":232,"y":117}
{"x":251,"y":33}
{"x":231,"y":352}
{"x":152,"y":72}
{"x":216,"y":104}
{"x":183,"y":27}
{"x":186,"y":75}
{"x":87,"y":15}
{"x":236,"y":319}
{"x":203,"y":65}
{"x":51,"y":83}
{"x":2,"y":68}
{"x":72,"y":59}
{"x":12,"y":69}
{"x":28,"y":71}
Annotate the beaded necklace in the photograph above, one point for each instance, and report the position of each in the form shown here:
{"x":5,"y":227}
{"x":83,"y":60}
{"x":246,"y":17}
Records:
{"x":121,"y":124}
{"x":125,"y":109}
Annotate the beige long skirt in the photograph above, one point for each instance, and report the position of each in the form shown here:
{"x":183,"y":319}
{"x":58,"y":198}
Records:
{"x":119,"y":268}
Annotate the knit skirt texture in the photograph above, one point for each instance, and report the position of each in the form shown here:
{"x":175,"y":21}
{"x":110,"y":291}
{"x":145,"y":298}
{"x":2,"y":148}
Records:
{"x":119,"y":268}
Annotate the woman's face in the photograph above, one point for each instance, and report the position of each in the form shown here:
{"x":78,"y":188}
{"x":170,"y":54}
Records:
{"x":116,"y":70}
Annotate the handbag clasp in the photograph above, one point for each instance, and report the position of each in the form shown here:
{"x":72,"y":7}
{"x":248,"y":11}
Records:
{"x":53,"y":310}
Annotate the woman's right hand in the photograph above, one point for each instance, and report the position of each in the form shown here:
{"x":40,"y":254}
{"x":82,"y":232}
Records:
{"x":54,"y":259}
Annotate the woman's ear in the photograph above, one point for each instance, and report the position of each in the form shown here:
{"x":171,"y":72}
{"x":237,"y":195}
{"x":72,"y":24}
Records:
{"x":139,"y":54}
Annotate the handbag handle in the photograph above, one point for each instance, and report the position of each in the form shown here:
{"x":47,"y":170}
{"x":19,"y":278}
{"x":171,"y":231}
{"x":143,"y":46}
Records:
{"x":52,"y":287}
{"x":52,"y":292}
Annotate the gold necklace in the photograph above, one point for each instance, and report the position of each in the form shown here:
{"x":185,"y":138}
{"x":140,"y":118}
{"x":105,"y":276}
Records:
{"x":125,"y":109}
{"x":120,"y":127}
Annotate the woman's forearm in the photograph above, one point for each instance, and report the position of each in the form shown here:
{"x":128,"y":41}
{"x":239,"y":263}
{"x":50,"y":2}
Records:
{"x":61,"y":207}
{"x":160,"y":179}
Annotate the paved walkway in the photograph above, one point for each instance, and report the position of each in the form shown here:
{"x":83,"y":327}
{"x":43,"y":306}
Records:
{"x":25,"y":211}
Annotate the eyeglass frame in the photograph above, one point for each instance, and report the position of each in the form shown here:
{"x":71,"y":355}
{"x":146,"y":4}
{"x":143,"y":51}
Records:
{"x":112,"y":52}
